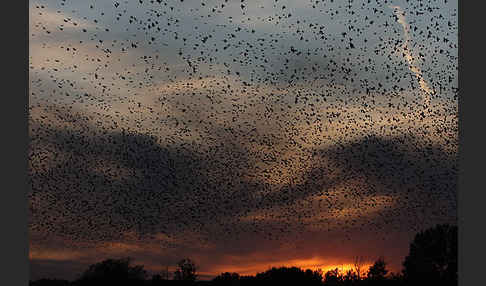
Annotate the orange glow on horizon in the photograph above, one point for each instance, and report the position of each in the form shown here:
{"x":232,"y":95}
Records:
{"x":314,"y":264}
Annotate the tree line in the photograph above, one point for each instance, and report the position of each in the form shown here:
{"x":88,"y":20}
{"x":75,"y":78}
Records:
{"x":432,"y":260}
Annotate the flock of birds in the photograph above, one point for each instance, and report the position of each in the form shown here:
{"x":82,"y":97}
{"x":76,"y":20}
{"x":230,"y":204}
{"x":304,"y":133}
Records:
{"x":239,"y":119}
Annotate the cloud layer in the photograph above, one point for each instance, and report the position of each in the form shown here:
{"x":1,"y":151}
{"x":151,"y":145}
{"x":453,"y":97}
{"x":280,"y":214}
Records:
{"x":242,"y":137}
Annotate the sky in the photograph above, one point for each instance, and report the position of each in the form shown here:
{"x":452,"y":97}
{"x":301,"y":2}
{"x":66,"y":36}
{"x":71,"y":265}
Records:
{"x":240,"y":134}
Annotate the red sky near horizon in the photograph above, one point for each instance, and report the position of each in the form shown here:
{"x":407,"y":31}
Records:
{"x":289,"y":133}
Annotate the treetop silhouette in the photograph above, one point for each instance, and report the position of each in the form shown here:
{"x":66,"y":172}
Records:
{"x":433,"y":256}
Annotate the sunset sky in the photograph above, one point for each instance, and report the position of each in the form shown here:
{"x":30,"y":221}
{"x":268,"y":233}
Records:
{"x":240,"y":134}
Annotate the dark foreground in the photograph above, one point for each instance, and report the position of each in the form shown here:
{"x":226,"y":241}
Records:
{"x":432,"y":260}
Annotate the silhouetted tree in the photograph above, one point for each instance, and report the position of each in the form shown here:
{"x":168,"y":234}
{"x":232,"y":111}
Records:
{"x":289,"y":276}
{"x":332,"y":277}
{"x":186,"y":270}
{"x":358,"y":266}
{"x":396,"y":279}
{"x":112,"y":271}
{"x":350,"y":278}
{"x":227,"y":278}
{"x":248,"y":280}
{"x":378,"y":270}
{"x":433,"y":256}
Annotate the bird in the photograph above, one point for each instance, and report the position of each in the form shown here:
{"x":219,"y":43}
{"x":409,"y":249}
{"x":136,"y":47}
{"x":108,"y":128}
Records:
{"x":186,"y":124}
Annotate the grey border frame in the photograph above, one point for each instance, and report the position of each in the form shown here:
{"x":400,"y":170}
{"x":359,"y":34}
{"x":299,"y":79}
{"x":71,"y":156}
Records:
{"x":14,"y":213}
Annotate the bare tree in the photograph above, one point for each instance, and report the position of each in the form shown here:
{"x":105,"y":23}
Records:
{"x":358,"y":266}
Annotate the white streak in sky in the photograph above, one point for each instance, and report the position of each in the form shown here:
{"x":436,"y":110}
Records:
{"x":408,"y":55}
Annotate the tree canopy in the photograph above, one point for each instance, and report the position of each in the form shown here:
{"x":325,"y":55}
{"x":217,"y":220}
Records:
{"x":433,"y":256}
{"x":186,"y":270}
{"x":113,"y":270}
{"x":378,"y":270}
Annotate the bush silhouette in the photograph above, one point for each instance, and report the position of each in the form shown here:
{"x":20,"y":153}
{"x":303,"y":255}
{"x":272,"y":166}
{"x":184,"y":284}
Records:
{"x":288,"y":276}
{"x":112,"y":271}
{"x":227,"y":278}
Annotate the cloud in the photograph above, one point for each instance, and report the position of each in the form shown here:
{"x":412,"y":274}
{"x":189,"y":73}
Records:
{"x":307,"y":164}
{"x":171,"y":194}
